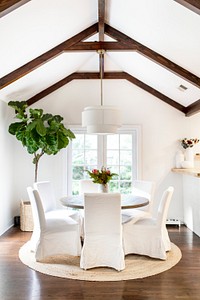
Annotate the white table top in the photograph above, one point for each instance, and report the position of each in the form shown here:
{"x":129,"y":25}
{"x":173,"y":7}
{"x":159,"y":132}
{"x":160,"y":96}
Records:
{"x":137,"y":199}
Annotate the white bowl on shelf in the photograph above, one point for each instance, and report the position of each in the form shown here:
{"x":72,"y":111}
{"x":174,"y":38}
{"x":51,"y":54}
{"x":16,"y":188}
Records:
{"x":187,"y":164}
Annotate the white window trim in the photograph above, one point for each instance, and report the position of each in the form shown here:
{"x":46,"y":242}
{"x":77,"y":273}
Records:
{"x":78,"y":129}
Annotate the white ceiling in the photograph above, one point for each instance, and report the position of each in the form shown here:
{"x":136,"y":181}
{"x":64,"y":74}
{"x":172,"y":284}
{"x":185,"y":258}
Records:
{"x":164,"y":26}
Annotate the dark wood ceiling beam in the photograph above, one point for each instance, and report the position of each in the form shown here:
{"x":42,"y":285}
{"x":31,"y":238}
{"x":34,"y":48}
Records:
{"x":142,"y":85}
{"x":44,"y":58}
{"x":193,"y":5}
{"x":155,"y":93}
{"x":193,"y":108}
{"x":50,"y":89}
{"x":59,"y":84}
{"x":6,"y":6}
{"x":107,"y":75}
{"x":101,"y":16}
{"x":150,"y":54}
{"x":94,"y":46}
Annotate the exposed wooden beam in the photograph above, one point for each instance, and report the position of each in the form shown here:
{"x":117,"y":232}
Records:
{"x":94,"y":46}
{"x":107,"y":75}
{"x":44,"y":58}
{"x":50,"y":89}
{"x":6,"y":6}
{"x":193,"y":5}
{"x":147,"y":52}
{"x":101,"y":14}
{"x":59,"y":84}
{"x":144,"y":86}
{"x":155,"y":93}
{"x":193,"y":108}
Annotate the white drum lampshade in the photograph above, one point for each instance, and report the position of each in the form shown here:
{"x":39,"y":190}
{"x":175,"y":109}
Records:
{"x":101,"y":119}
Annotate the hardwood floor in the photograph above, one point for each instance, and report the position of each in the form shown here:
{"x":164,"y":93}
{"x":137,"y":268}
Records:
{"x":19,"y":282}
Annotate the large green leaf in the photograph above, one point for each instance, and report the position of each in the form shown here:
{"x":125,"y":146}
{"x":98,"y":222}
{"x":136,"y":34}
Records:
{"x":20,"y":108}
{"x":57,"y":118}
{"x":70,"y":134}
{"x":46,"y":117}
{"x":18,"y":105}
{"x":31,"y":125}
{"x":51,"y":139}
{"x":41,"y":130}
{"x":36,"y":113}
{"x":15,"y":127}
{"x":63,"y":141}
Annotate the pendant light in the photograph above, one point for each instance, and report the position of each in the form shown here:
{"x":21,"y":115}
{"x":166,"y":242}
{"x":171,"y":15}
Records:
{"x":101,"y":119}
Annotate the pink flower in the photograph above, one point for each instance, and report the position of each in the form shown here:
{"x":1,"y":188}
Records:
{"x":95,"y":171}
{"x":102,"y":176}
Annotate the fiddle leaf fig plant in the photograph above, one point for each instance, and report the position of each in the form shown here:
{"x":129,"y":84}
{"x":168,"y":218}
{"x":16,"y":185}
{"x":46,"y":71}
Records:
{"x":40,"y":133}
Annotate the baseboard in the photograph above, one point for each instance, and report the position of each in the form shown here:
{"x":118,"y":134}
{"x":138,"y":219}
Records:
{"x":173,"y":222}
{"x":4,"y":230}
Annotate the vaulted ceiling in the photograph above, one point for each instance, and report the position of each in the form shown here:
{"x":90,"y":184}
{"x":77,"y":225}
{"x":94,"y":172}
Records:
{"x":152,"y":44}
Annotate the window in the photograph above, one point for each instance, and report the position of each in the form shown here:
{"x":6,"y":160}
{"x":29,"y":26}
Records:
{"x":119,"y":152}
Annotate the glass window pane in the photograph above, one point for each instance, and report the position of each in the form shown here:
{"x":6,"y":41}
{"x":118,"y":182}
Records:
{"x":114,"y":169}
{"x":75,"y":187}
{"x":125,"y":173}
{"x":125,"y":141}
{"x":91,"y":157}
{"x":90,"y":141}
{"x":125,"y":157}
{"x":90,"y":168}
{"x":112,"y":157}
{"x":114,"y":186}
{"x":125,"y":187}
{"x":77,"y":172}
{"x":113,"y":141}
{"x":78,"y":157}
{"x":78,"y":142}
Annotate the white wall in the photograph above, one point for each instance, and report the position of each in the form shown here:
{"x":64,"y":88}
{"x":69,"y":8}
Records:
{"x":162,"y":127}
{"x":8,"y":205}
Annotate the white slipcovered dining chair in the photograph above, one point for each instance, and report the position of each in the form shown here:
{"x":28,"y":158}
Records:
{"x":145,"y":189}
{"x":149,"y":236}
{"x":102,"y":245}
{"x":47,"y":197}
{"x":54,"y":235}
{"x":88,"y":186}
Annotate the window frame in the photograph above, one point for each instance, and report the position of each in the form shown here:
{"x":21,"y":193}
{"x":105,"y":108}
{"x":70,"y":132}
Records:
{"x":129,"y":129}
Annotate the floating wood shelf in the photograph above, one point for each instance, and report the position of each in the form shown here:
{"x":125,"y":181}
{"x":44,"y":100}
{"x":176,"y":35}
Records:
{"x":193,"y":171}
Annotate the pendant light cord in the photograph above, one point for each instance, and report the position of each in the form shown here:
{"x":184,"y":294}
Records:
{"x":101,"y":77}
{"x":101,"y":53}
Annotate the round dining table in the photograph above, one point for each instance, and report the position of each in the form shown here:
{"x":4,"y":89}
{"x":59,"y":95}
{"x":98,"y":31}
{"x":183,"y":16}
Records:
{"x":137,"y":199}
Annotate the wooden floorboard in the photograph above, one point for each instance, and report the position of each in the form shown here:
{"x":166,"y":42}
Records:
{"x":19,"y":282}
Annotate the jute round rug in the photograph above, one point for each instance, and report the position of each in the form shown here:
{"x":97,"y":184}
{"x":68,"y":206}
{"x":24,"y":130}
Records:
{"x":68,"y":266}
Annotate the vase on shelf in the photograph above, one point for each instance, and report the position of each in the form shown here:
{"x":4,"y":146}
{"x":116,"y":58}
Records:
{"x":189,"y":155}
{"x":103,"y":188}
{"x":179,"y":159}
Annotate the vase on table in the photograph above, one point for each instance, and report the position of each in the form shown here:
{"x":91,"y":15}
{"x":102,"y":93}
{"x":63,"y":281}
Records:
{"x":103,"y":188}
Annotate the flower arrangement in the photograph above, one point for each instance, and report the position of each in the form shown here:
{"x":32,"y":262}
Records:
{"x":186,"y":143}
{"x":102,"y":176}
